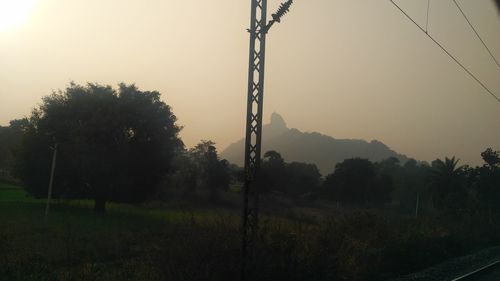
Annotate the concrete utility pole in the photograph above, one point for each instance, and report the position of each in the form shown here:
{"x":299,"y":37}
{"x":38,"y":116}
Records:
{"x":51,"y":181}
{"x":255,"y":101}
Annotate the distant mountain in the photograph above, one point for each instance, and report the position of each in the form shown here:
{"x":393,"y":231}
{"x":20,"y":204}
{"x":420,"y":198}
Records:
{"x":322,"y":150}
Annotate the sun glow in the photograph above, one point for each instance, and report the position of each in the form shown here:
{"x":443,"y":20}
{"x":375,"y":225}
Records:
{"x":14,"y":12}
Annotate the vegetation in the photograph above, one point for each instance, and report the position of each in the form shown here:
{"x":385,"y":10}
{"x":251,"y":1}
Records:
{"x":214,"y":172}
{"x":112,"y":145}
{"x":151,"y":243}
{"x":173,"y":212}
{"x":199,"y":169}
{"x":294,"y":180}
{"x":10,"y":137}
{"x":355,"y":181}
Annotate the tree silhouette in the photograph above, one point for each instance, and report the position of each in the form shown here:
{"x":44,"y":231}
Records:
{"x":289,"y":179}
{"x":274,"y":157}
{"x":215,"y":172}
{"x":492,"y":158}
{"x":447,"y":179}
{"x":489,"y":181}
{"x":355,"y":181}
{"x":114,"y":145}
{"x":410,"y":184}
{"x":272,"y":172}
{"x":10,"y":138}
{"x":187,"y":172}
{"x":301,"y":179}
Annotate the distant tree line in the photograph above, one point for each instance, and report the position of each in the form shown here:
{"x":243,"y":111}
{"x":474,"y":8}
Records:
{"x":442,"y":186}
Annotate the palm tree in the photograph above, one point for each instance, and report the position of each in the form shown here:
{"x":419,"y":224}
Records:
{"x":446,"y":178}
{"x":446,"y":170}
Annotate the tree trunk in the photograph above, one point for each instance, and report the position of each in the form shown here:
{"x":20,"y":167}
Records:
{"x":100,"y":206}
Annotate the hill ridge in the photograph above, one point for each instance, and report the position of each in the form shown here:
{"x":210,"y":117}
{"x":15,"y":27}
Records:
{"x":311,"y":147}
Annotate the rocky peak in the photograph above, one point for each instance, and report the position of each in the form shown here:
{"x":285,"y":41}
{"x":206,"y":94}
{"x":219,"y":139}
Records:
{"x":277,"y":123}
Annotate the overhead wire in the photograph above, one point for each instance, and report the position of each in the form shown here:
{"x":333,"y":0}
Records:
{"x":448,"y":53}
{"x":475,"y":31}
{"x":427,"y":23}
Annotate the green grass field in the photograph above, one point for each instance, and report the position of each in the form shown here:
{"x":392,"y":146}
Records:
{"x":158,"y":241}
{"x":147,"y":242}
{"x":10,"y":192}
{"x":76,"y":244}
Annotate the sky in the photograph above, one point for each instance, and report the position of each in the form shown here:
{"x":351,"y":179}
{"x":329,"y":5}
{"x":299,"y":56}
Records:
{"x":345,"y":68}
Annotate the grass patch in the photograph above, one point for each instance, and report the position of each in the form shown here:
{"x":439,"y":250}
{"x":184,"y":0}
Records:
{"x":162,"y":242}
{"x":13,"y":193}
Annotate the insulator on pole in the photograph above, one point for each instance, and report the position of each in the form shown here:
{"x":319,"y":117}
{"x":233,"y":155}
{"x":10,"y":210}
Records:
{"x":283,"y":9}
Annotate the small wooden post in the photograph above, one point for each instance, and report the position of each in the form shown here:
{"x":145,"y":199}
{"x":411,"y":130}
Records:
{"x":51,"y":181}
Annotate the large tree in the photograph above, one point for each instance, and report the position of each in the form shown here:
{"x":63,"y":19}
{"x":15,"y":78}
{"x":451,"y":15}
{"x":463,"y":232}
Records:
{"x":356,"y":182}
{"x":301,"y":179}
{"x":215,"y":172}
{"x":290,"y":179}
{"x":272,"y":173}
{"x":113,"y":145}
{"x":410,"y":182}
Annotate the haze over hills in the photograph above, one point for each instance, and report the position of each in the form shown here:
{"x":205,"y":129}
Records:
{"x":322,"y":150}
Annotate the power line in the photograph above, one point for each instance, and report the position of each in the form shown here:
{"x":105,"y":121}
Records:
{"x":448,"y":53}
{"x":477,"y":34}
{"x":428,"y":8}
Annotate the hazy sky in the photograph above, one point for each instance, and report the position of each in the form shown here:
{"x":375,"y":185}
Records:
{"x":346,"y":68}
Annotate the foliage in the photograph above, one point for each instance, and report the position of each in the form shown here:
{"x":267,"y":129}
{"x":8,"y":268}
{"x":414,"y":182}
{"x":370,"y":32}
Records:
{"x":214,"y":172}
{"x":290,"y":179}
{"x":186,"y":172}
{"x":113,"y":145}
{"x":272,"y":172}
{"x":447,"y":183}
{"x":130,"y":244}
{"x":10,"y":137}
{"x":492,"y":158}
{"x":302,"y":179}
{"x":150,"y":243}
{"x":356,"y":182}
{"x":488,"y":182}
{"x":411,"y":181}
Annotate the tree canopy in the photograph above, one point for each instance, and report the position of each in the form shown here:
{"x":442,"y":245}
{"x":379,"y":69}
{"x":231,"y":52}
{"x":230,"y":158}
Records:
{"x":291,"y":179}
{"x":355,"y":181}
{"x":447,"y":179}
{"x":10,"y":137}
{"x":114,"y":145}
{"x":214,"y":171}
